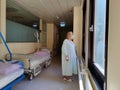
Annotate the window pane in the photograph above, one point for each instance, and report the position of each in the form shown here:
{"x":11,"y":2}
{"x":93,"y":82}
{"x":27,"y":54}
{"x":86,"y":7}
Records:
{"x":99,"y":38}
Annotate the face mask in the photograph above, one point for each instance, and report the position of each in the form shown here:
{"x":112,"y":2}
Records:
{"x":72,"y":37}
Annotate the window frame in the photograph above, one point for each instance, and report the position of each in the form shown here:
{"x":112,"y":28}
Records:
{"x":99,"y":78}
{"x":83,"y":32}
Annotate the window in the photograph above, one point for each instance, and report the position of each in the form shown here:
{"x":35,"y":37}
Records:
{"x":98,"y":41}
{"x":99,"y":34}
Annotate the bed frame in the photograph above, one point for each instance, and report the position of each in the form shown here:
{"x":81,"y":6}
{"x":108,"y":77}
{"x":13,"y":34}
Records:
{"x":9,"y":86}
{"x":29,"y":71}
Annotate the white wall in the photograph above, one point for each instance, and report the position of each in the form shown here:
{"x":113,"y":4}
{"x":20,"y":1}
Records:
{"x":56,"y":40}
{"x":113,"y":77}
{"x":77,"y":29}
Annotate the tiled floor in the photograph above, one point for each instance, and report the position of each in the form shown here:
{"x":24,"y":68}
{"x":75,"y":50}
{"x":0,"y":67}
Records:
{"x":49,"y":79}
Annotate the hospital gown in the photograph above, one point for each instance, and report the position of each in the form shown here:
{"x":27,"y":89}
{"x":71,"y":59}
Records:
{"x":68,"y":67}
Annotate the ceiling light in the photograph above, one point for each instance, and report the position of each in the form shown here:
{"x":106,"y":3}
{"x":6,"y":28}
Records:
{"x":62,"y":24}
{"x":35,"y":24}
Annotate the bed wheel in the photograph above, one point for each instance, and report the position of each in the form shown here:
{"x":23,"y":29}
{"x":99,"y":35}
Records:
{"x":47,"y":64}
{"x":30,"y":77}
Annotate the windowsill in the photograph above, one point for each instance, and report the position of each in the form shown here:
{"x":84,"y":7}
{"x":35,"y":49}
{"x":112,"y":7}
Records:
{"x":84,"y":79}
{"x":81,"y":87}
{"x":98,"y":66}
{"x":97,"y":75}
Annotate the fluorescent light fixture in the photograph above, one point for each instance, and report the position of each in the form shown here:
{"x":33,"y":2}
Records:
{"x":62,"y":24}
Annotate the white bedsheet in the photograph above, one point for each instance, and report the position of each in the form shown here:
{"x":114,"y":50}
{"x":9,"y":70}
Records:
{"x":34,"y":59}
{"x":6,"y":79}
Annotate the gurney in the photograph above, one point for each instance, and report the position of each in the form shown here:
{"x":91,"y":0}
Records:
{"x":33,"y":62}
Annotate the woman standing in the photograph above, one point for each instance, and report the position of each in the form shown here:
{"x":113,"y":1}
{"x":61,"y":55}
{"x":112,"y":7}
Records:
{"x":69,"y":66}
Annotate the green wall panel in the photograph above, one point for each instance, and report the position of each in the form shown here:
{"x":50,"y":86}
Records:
{"x":16,"y":32}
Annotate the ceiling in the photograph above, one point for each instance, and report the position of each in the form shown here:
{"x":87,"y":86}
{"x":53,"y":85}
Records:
{"x":18,"y":14}
{"x":50,"y":10}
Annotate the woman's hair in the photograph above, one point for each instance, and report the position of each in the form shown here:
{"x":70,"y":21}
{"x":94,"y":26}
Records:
{"x":68,"y":33}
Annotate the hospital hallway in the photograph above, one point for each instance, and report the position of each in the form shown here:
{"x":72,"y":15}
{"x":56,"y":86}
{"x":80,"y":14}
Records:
{"x":49,"y":79}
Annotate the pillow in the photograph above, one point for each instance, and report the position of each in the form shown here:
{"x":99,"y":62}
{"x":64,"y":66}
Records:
{"x":44,"y":49}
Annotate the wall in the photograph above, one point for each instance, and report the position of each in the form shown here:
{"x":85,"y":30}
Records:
{"x":3,"y":17}
{"x":23,"y":48}
{"x":77,"y":29}
{"x":50,"y":36}
{"x":43,"y":33}
{"x":15,"y":47}
{"x":16,"y":32}
{"x":113,"y":74}
{"x":2,"y":22}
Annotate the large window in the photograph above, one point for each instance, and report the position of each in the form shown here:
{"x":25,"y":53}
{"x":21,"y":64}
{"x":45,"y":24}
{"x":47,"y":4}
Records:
{"x":99,"y":34}
{"x":97,"y":45}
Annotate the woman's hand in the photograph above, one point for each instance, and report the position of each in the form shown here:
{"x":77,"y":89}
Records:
{"x":67,"y":58}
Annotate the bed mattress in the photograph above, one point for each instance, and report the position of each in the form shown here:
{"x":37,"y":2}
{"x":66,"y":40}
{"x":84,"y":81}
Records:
{"x":34,"y":59}
{"x":6,"y":79}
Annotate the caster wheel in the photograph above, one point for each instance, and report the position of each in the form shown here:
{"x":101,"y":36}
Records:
{"x":46,"y":65}
{"x":30,"y":76}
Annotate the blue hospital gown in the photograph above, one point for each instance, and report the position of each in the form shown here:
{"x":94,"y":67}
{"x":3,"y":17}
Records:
{"x":69,"y":67}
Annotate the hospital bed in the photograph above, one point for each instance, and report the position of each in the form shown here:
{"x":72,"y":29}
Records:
{"x":11,"y":71}
{"x":33,"y":62}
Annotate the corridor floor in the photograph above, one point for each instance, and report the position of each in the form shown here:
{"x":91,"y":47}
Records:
{"x":49,"y":79}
